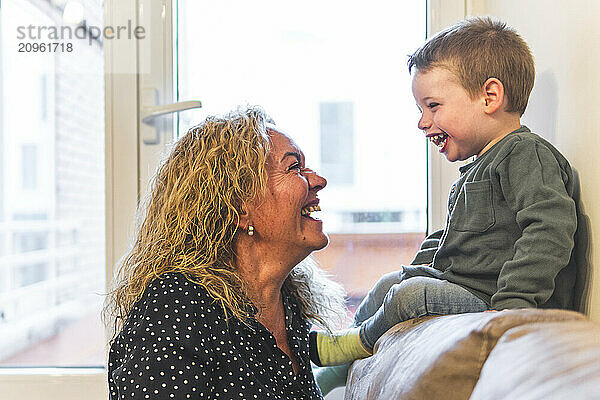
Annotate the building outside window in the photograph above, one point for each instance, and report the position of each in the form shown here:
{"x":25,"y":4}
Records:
{"x":52,"y":213}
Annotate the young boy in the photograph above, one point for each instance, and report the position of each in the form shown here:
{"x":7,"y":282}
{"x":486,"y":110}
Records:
{"x":511,"y":215}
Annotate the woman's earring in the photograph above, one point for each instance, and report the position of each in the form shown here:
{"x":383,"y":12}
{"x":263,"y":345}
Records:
{"x":250,"y":230}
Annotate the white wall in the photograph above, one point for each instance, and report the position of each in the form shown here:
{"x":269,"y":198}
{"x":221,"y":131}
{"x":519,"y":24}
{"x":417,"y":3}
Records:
{"x":564,"y":37}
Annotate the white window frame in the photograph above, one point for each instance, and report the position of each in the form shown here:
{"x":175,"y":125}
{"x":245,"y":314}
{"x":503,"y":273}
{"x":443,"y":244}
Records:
{"x":441,"y":173}
{"x":123,"y":177}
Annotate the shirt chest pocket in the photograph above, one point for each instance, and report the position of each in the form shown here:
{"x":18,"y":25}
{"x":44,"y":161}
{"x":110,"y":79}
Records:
{"x":474,"y":208}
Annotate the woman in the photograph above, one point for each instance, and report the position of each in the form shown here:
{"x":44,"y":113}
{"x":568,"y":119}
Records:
{"x":214,"y":299}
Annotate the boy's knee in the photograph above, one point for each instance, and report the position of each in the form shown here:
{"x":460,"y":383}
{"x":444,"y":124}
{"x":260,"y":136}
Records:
{"x":388,"y":280}
{"x":410,"y":287}
{"x":410,"y":296}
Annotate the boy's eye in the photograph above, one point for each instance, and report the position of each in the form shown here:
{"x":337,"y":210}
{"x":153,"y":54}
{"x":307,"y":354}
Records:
{"x":432,"y":105}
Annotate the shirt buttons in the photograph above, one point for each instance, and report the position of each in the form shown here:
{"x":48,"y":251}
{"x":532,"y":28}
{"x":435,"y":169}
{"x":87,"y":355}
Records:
{"x":453,"y":189}
{"x":451,"y":207}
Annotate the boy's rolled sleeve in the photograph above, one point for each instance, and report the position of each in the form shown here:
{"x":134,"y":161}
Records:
{"x":429,"y":246}
{"x":533,"y":185}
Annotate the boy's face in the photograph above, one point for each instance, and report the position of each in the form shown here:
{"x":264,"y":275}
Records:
{"x":450,"y":118}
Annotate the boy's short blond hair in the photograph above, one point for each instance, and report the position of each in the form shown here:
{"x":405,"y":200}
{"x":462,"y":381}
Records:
{"x":477,"y":49}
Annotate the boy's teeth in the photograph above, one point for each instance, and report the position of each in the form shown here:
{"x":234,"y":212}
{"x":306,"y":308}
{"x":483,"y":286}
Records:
{"x":439,"y":140}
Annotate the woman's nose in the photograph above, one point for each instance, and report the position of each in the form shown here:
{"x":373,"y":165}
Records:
{"x":316,"y":181}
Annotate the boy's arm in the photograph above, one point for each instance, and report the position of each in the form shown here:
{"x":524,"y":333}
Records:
{"x":428,"y":248}
{"x":532,"y":183}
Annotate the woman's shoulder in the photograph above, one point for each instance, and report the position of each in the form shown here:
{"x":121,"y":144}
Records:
{"x":174,"y":289}
{"x":174,"y":296}
{"x":175,"y":326}
{"x":173,"y":306}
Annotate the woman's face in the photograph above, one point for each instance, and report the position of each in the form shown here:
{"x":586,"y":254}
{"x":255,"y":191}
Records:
{"x":283,"y":219}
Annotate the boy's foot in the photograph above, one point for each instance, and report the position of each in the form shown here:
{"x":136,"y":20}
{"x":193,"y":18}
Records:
{"x":337,"y":348}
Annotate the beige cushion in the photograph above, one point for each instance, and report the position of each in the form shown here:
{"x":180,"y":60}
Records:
{"x":543,"y":361}
{"x":439,"y":357}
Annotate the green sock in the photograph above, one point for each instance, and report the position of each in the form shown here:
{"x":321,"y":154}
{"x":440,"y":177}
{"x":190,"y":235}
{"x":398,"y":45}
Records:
{"x":340,"y":347}
{"x":328,"y":378}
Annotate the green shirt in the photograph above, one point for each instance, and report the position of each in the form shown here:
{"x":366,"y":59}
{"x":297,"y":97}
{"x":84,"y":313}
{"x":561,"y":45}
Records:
{"x":509,"y":232}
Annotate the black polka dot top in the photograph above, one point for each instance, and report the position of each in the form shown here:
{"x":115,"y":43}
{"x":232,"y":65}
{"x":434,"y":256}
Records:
{"x":176,"y":344}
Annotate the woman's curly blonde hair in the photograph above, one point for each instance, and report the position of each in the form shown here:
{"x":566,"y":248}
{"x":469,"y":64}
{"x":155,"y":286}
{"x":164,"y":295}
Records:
{"x":191,"y":219}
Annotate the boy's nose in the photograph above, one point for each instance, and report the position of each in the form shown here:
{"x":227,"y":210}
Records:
{"x":424,"y":123}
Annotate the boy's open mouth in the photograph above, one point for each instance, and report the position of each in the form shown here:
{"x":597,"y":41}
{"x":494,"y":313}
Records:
{"x":305,"y":212}
{"x":439,"y":140}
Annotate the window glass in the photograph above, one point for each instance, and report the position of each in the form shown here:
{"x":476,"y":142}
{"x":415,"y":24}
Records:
{"x":333,"y":75}
{"x":52,"y":224}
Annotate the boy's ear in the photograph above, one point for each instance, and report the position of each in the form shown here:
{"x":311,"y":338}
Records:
{"x":493,"y":95}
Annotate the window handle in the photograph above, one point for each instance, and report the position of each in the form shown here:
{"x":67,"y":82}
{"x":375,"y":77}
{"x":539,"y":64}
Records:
{"x":152,"y":111}
{"x":149,"y":114}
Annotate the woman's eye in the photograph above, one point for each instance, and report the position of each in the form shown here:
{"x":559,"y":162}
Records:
{"x":433,"y":105}
{"x":295,"y":166}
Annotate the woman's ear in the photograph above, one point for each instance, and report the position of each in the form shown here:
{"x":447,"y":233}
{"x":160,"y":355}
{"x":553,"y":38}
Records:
{"x":493,"y":95}
{"x":244,"y":218}
{"x":245,"y":215}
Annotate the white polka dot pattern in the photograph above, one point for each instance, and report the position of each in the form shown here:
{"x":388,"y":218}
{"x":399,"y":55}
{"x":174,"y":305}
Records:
{"x":176,"y":344}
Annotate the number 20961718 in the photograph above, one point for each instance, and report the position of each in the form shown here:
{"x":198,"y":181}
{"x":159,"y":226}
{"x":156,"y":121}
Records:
{"x":49,"y":47}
